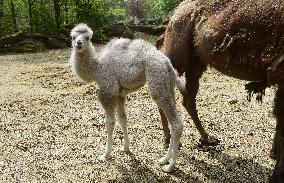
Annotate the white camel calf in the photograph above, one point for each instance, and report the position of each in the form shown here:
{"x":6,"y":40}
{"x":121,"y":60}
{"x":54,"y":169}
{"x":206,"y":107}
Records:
{"x":122,"y":67}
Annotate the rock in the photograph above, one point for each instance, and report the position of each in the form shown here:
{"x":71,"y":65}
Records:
{"x":129,"y":22}
{"x":118,"y":23}
{"x":165,"y":22}
{"x":114,"y":30}
{"x":26,"y":46}
{"x":142,"y":22}
{"x":52,"y":43}
{"x":118,"y":30}
{"x":152,"y":22}
{"x":149,"y":29}
{"x":32,"y":42}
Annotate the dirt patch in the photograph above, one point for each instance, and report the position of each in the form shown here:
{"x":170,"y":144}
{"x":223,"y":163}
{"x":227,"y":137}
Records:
{"x":52,"y":130}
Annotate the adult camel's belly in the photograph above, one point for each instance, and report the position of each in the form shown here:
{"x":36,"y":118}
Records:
{"x":242,"y":46}
{"x":241,"y":55}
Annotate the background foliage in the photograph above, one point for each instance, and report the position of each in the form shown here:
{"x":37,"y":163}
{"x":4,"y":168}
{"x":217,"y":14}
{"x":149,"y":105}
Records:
{"x":48,"y":16}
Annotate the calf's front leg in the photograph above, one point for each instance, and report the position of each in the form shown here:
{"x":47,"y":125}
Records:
{"x":108,"y":101}
{"x":122,"y":119}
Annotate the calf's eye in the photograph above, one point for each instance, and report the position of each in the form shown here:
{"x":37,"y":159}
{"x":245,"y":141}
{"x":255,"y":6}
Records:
{"x":87,"y":38}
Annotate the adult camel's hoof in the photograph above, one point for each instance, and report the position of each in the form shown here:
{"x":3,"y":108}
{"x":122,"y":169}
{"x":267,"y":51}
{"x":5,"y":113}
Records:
{"x":276,"y":179}
{"x":209,"y":141}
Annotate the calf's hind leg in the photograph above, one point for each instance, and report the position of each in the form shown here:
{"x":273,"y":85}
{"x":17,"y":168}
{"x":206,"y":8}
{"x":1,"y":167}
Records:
{"x":163,"y":94}
{"x":166,"y":129}
{"x":176,"y":128}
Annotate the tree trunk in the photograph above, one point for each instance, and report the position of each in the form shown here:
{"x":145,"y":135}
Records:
{"x":136,"y":20}
{"x":77,"y":3}
{"x":42,"y":8}
{"x":56,"y":4}
{"x":1,"y":8}
{"x":30,"y":7}
{"x":66,"y":9}
{"x":13,"y":13}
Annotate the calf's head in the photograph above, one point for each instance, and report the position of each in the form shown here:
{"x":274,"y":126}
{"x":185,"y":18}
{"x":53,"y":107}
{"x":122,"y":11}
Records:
{"x":81,"y":36}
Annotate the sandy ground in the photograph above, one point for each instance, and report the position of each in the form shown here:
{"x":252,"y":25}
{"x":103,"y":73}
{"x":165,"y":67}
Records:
{"x":52,"y":130}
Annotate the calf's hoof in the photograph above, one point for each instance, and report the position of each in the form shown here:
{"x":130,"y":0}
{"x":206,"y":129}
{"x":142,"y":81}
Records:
{"x":209,"y":141}
{"x":163,"y":161}
{"x":103,"y":158}
{"x":125,"y":149}
{"x":167,"y":168}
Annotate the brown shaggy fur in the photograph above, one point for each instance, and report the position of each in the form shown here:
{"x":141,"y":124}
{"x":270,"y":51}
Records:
{"x":240,"y":38}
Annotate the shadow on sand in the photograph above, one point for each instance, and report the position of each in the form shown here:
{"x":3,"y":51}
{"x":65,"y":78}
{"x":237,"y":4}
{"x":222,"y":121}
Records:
{"x":138,"y":171}
{"x":230,"y":169}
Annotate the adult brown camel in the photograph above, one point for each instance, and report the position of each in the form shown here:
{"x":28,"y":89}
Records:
{"x":242,"y":39}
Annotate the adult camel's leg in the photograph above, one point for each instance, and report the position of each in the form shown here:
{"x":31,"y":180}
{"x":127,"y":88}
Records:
{"x":278,"y":173}
{"x":193,"y":74}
